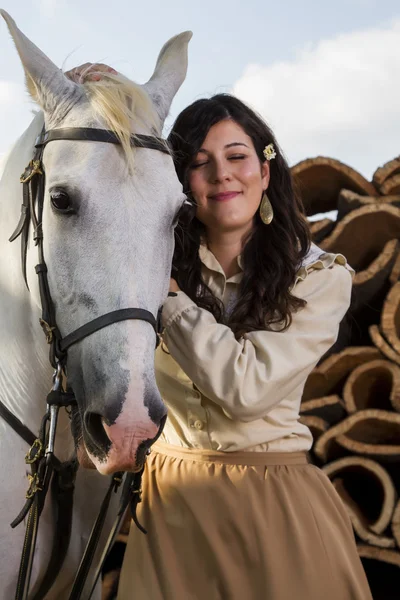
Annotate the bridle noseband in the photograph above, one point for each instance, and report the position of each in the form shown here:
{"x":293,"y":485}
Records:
{"x":41,"y":454}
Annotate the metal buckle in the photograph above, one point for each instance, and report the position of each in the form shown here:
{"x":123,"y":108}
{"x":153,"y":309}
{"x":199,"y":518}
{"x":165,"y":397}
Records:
{"x":48,"y":331}
{"x":35,"y":169}
{"x":33,"y":486}
{"x":35,"y":452}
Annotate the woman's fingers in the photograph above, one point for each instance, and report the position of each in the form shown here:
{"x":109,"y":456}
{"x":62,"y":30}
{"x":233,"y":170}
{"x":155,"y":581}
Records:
{"x":89,"y":72}
{"x":173,"y":286}
{"x":75,"y":74}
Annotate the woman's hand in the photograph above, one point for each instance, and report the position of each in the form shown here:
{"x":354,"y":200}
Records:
{"x":173,"y":286}
{"x":89,"y":72}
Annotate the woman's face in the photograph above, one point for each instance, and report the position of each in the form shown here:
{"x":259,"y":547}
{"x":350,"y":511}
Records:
{"x":227,"y":179}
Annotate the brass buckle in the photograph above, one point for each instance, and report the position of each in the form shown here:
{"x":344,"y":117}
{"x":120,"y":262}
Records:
{"x":33,"y":486}
{"x":48,"y":331}
{"x":35,"y":452}
{"x":35,"y":169}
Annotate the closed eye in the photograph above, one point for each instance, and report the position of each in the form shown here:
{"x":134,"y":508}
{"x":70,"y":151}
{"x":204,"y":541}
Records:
{"x":199,"y":164}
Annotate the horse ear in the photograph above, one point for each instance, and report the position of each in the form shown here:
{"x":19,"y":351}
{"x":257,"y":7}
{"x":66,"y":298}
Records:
{"x":45,"y":82}
{"x":170,"y":73}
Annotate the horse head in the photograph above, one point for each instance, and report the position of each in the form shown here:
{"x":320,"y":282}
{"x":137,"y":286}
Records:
{"x":108,"y":232}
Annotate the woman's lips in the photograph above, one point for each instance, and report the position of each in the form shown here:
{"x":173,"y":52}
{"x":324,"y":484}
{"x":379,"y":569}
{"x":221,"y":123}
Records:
{"x":224,"y":196}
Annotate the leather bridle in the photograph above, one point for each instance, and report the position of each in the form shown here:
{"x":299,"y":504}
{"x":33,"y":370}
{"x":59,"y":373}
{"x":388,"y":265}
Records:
{"x":33,"y":181}
{"x":44,"y":465}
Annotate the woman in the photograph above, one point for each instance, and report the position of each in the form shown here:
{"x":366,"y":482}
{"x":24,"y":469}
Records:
{"x":232,"y":508}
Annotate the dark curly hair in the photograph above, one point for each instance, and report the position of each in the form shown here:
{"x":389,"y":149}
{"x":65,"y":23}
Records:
{"x":271,"y":255}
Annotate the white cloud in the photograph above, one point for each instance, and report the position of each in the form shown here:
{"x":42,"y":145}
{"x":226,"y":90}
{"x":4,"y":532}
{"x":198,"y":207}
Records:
{"x":339,"y":97}
{"x":48,"y":8}
{"x":9,"y":91}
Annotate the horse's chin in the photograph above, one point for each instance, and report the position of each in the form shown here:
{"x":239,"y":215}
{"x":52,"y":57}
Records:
{"x":115,"y":463}
{"x":106,"y":467}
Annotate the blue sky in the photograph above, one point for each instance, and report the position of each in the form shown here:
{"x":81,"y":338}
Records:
{"x":325,"y":75}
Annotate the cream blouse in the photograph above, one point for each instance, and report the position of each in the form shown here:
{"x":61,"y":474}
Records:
{"x":227,"y":394}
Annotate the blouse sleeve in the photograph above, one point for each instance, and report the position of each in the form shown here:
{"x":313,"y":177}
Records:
{"x":248,"y":377}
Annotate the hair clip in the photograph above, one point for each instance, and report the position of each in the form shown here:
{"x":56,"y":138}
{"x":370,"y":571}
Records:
{"x":269,"y":152}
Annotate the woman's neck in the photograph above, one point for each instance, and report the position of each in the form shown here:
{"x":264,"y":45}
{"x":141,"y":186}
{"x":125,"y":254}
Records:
{"x":226,"y":248}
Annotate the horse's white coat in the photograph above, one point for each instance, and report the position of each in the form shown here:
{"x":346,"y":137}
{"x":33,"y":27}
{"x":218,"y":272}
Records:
{"x":115,"y":253}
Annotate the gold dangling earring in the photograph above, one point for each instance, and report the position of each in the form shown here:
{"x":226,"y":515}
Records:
{"x":266,"y":210}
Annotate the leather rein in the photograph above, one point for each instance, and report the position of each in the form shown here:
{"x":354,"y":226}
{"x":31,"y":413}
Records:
{"x":46,"y":469}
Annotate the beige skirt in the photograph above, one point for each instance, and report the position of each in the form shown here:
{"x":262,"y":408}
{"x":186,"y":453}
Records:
{"x":240,"y":526}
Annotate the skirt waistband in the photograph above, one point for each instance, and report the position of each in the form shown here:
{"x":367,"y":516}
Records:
{"x":232,"y":458}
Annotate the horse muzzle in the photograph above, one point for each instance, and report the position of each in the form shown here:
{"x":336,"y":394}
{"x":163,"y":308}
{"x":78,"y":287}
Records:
{"x":121,"y":446}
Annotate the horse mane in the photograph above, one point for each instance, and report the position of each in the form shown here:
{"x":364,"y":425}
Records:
{"x":120,"y":103}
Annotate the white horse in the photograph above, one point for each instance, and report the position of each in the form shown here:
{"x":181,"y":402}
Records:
{"x":112,"y":251}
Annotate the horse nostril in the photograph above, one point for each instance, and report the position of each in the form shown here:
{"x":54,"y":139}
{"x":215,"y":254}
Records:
{"x":144,"y":447}
{"x":96,"y":432}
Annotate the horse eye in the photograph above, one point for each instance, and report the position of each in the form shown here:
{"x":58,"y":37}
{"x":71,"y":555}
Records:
{"x":61,"y":201}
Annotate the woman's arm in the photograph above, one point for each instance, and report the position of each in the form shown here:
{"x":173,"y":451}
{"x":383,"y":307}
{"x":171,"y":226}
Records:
{"x":247,"y":378}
